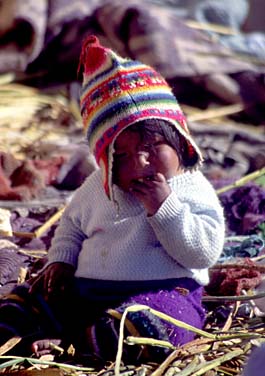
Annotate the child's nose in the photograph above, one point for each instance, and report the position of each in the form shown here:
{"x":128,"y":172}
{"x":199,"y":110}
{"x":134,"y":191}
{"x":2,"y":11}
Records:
{"x":142,"y":159}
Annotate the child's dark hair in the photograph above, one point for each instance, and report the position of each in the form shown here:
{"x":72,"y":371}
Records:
{"x":171,"y":135}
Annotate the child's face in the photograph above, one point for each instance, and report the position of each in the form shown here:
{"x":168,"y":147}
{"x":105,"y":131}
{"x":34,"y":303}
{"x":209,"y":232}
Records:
{"x":138,"y":159}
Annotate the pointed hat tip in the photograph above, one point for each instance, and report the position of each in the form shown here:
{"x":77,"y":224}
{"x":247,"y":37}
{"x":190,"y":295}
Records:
{"x":92,"y":54}
{"x":91,"y":40}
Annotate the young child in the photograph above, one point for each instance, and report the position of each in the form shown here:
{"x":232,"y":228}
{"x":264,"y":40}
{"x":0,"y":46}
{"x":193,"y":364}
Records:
{"x":143,"y":228}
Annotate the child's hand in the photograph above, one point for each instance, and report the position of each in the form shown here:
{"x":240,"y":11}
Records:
{"x":54,"y":279}
{"x":151,"y":191}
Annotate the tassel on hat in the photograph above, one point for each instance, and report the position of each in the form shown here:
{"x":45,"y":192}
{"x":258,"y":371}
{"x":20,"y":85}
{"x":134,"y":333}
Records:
{"x":117,"y":92}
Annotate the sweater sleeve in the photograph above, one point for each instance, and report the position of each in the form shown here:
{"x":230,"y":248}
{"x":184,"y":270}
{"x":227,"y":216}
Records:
{"x":191,"y":231}
{"x":67,"y":242}
{"x":70,"y":233}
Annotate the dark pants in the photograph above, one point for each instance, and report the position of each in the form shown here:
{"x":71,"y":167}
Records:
{"x":91,"y":300}
{"x":81,"y":316}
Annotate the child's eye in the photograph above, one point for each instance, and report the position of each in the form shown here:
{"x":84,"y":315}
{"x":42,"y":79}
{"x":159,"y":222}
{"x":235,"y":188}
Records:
{"x":153,"y":145}
{"x":159,"y":142}
{"x":148,"y":146}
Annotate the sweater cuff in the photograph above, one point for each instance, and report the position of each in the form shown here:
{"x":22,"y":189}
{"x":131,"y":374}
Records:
{"x":63,"y":256}
{"x":170,"y":209}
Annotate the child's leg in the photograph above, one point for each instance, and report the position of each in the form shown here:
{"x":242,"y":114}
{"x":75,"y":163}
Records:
{"x":25,"y":316}
{"x":179,"y":303}
{"x":183,"y":303}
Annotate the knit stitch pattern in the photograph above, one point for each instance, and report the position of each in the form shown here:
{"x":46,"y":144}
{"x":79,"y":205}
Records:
{"x":183,"y":239}
{"x":118,"y":92}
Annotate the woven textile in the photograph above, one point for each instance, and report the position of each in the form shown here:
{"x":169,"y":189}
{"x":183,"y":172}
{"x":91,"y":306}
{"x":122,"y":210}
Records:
{"x":118,"y":92}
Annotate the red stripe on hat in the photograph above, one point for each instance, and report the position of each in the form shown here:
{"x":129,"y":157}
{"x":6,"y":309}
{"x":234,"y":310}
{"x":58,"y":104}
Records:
{"x":91,"y":61}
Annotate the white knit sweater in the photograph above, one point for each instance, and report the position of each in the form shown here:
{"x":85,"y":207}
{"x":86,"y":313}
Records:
{"x":105,"y":241}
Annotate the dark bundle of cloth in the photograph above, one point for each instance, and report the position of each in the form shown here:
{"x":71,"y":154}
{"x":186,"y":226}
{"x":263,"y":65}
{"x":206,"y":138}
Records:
{"x":35,"y":34}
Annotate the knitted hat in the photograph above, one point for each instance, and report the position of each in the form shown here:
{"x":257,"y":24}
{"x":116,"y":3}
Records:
{"x":118,"y":92}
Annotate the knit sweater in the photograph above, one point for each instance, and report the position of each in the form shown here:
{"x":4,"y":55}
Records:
{"x":109,"y":240}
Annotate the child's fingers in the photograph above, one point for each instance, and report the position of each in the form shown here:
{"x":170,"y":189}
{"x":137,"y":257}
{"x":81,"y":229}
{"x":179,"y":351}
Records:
{"x":160,"y":178}
{"x":46,"y":346}
{"x":36,"y":284}
{"x":142,"y":185}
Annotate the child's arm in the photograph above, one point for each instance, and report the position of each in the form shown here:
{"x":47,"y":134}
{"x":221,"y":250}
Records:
{"x":53,"y":280}
{"x":68,"y":239}
{"x":192,"y":232}
{"x":151,"y":191}
{"x":62,"y":256}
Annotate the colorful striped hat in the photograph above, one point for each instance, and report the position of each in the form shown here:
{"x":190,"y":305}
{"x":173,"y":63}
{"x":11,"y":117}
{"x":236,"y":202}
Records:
{"x":118,"y":92}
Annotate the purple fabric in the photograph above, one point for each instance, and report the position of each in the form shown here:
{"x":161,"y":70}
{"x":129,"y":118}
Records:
{"x":179,"y":304}
{"x":179,"y":298}
{"x":244,"y":208}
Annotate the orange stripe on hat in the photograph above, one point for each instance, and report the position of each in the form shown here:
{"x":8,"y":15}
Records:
{"x":118,"y":92}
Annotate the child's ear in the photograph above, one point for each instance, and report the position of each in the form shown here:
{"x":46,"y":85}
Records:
{"x":188,"y":156}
